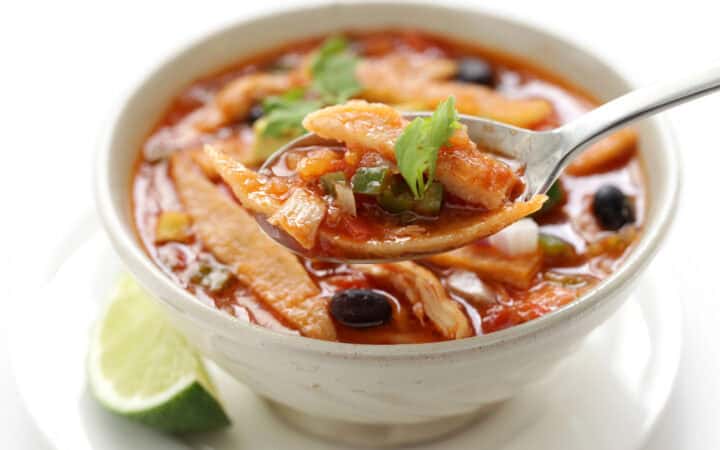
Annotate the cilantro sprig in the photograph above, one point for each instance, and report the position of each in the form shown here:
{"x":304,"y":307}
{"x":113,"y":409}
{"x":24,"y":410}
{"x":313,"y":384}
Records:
{"x":333,"y":71}
{"x":284,"y":114}
{"x":333,"y":81}
{"x":417,"y":148}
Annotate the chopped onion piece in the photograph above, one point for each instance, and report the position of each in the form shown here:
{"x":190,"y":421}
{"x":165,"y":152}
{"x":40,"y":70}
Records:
{"x":469,"y":286}
{"x":519,"y":238}
{"x":345,"y":199}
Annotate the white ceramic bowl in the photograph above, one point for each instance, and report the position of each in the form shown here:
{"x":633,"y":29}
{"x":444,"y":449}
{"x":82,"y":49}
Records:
{"x":377,"y":395}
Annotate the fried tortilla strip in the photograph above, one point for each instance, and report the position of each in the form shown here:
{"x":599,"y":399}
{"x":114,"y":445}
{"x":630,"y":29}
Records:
{"x":425,"y":292}
{"x":605,"y":153}
{"x":234,"y":100}
{"x":359,"y":124}
{"x":462,"y":168}
{"x":384,"y":80}
{"x":404,"y":66}
{"x":240,"y":147}
{"x":251,"y":188}
{"x":203,"y":161}
{"x":490,"y":264}
{"x":273,"y":275}
{"x":460,"y":232}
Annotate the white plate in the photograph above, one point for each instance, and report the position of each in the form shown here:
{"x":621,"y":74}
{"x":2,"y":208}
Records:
{"x":607,"y":396}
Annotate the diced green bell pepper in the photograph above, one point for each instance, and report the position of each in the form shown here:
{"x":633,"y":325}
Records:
{"x":328,"y":181}
{"x":396,"y":196}
{"x":554,"y":247}
{"x":370,"y":180}
{"x":431,"y":201}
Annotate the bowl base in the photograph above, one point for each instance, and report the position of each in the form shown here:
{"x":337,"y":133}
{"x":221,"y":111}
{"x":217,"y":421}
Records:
{"x":376,"y":435}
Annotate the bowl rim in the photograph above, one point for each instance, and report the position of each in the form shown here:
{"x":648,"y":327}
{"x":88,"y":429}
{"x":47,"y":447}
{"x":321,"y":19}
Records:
{"x":138,"y":261}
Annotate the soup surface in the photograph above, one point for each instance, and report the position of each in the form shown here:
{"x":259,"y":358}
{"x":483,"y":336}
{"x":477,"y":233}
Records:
{"x":193,"y":226}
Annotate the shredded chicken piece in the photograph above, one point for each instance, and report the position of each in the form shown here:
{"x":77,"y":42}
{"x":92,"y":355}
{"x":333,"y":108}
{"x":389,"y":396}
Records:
{"x":490,"y":264}
{"x":272,"y":274}
{"x":410,"y":231}
{"x":462,"y":168}
{"x":234,"y":100}
{"x":476,"y":177}
{"x":301,"y":216}
{"x":386,"y":80}
{"x":603,"y":154}
{"x":423,"y":289}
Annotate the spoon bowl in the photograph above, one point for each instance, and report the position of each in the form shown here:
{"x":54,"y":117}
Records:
{"x":507,"y":141}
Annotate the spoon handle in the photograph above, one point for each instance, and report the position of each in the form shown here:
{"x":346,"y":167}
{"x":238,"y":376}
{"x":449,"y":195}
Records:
{"x":636,"y":105}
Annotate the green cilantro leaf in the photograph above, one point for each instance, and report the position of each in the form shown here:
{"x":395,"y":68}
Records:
{"x":333,"y":71}
{"x":280,"y":101}
{"x":417,"y":148}
{"x":333,"y":81}
{"x":284,"y":114}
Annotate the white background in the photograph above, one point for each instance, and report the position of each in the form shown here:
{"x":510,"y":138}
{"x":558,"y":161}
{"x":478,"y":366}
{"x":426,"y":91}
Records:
{"x":64,"y":64}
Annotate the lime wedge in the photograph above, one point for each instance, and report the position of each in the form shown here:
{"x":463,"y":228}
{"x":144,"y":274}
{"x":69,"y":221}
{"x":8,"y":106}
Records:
{"x":141,"y":368}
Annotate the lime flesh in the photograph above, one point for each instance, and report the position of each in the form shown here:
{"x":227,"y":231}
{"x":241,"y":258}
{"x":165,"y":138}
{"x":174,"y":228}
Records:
{"x":143,"y":369}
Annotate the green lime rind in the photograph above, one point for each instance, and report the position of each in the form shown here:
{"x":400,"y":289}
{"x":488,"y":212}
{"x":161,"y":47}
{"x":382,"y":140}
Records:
{"x":141,"y":368}
{"x":192,"y":410}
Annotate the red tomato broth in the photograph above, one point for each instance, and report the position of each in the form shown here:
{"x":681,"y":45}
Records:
{"x":154,"y":192}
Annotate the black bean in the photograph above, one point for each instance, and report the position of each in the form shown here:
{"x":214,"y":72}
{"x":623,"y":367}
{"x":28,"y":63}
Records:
{"x":254,"y":114}
{"x":360,"y":308}
{"x":475,"y":70}
{"x":612,"y":208}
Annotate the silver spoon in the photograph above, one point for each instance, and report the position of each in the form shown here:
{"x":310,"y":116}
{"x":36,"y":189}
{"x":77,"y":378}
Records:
{"x":546,"y":153}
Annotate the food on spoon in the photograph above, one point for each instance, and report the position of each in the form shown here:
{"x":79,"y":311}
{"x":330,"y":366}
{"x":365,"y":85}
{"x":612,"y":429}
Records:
{"x":381,"y":177}
{"x":215,"y":249}
{"x":470,"y":173}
